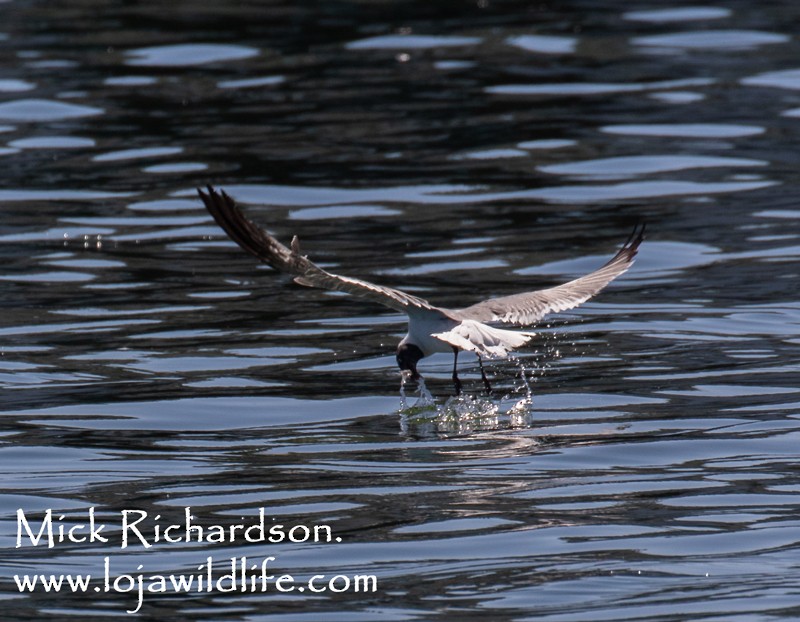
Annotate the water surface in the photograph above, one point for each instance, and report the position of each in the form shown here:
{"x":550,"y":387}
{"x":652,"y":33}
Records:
{"x":637,"y":462}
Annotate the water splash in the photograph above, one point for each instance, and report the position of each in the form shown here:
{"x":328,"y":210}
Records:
{"x":466,"y":413}
{"x":425,"y":401}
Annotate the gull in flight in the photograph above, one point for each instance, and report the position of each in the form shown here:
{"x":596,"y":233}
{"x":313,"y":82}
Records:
{"x":430,"y":329}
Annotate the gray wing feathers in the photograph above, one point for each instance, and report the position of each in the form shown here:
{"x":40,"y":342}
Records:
{"x":531,"y":307}
{"x":261,"y":244}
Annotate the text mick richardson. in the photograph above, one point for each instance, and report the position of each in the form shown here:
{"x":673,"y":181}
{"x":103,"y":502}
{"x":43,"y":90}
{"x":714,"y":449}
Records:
{"x":137,"y":527}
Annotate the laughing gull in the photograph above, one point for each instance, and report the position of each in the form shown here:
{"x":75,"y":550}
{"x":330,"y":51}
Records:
{"x":430,"y":329}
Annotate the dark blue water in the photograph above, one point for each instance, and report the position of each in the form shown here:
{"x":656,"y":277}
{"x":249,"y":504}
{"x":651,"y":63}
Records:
{"x":644,"y":468}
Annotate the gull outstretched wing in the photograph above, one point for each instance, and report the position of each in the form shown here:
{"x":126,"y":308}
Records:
{"x":530,"y":307}
{"x":261,"y":244}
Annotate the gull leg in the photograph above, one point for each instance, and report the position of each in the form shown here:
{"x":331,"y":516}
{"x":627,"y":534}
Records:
{"x":484,"y":378}
{"x":456,"y":381}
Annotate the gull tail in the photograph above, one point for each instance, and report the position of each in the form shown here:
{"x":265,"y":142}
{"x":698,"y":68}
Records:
{"x":484,"y":340}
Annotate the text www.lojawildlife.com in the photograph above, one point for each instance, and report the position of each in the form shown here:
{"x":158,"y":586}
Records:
{"x":241,"y":575}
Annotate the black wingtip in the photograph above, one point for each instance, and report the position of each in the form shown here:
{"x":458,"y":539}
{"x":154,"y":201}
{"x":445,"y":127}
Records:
{"x":208,"y":192}
{"x":636,"y":236}
{"x":635,"y":239}
{"x":642,"y":230}
{"x":630,"y":248}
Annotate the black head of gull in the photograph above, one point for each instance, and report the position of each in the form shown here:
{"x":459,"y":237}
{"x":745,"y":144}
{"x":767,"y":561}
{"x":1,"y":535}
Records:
{"x":408,"y":355}
{"x":430,"y":329}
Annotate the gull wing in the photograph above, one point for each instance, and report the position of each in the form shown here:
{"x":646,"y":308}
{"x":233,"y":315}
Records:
{"x":258,"y":242}
{"x":531,"y":307}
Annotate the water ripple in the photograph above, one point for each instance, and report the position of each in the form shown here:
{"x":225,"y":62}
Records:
{"x":713,"y":40}
{"x":678,"y":14}
{"x":411,"y":42}
{"x":544,"y":44}
{"x":188,"y":54}
{"x":42,"y":110}
{"x":687,"y":130}
{"x":630,"y":166}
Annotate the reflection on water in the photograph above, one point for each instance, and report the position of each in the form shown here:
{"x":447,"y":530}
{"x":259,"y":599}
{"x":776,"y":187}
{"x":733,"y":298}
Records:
{"x":715,"y":40}
{"x":30,"y":110}
{"x":680,"y":14}
{"x":631,"y":166}
{"x":638,"y":461}
{"x":182,"y":55}
{"x":410,"y":42}
{"x":685,"y":130}
{"x":594,"y":88}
